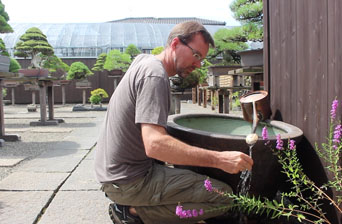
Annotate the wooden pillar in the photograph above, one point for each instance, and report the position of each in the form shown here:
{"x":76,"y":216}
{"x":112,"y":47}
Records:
{"x":204,"y":97}
{"x":13,"y":96}
{"x":84,"y":97}
{"x":199,"y":93}
{"x":194,"y":95}
{"x":42,"y":98}
{"x":63,"y":94}
{"x":226,"y":102}
{"x":51,"y":102}
{"x":33,"y":97}
{"x":2,"y":120}
{"x":177,"y":104}
{"x":212,"y":99}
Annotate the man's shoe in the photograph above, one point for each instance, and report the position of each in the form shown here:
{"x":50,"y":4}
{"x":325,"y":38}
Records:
{"x":119,"y":214}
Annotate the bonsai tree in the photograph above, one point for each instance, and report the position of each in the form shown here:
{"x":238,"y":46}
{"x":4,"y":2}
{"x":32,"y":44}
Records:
{"x":14,"y":65}
{"x":132,"y":50}
{"x":98,"y":66}
{"x":97,"y":95}
{"x":117,"y":60}
{"x":54,"y":64}
{"x":4,"y":18}
{"x":31,"y":44}
{"x":78,"y":71}
{"x":157,"y":50}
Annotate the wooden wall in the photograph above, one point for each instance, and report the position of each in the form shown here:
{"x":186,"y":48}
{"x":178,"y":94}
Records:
{"x":303,"y":69}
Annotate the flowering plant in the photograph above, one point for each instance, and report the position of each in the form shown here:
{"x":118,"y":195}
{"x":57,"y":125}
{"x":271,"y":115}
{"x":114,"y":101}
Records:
{"x":305,"y":208}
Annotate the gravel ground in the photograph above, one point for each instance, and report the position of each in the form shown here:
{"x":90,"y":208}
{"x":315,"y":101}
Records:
{"x":37,"y":139}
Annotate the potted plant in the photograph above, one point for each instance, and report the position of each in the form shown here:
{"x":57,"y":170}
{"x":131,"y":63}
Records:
{"x":79,"y":71}
{"x":116,"y":62}
{"x":98,"y":66}
{"x":34,"y":44}
{"x":97,"y":95}
{"x":4,"y":28}
{"x":56,"y":67}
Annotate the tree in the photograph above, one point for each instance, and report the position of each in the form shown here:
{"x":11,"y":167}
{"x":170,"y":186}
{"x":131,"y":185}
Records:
{"x":98,"y":66}
{"x":227,"y":43}
{"x":117,"y":60}
{"x":4,"y":18}
{"x":157,"y":50}
{"x":250,"y":14}
{"x":54,"y":64}
{"x":132,"y":50}
{"x":3,"y":50}
{"x":31,"y":43}
{"x":14,"y":65}
{"x":78,"y":71}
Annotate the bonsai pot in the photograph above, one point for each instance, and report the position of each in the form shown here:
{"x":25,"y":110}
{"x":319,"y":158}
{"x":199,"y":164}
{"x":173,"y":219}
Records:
{"x":38,"y":72}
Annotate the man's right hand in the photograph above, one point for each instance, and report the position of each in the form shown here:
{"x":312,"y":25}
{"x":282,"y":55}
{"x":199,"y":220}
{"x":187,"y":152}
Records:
{"x":234,"y":161}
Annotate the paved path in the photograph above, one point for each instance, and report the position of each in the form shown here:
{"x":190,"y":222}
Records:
{"x":58,"y":185}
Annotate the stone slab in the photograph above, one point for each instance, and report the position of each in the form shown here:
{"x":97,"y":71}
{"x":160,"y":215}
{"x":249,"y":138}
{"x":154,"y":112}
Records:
{"x":55,"y":161}
{"x":86,"y":207}
{"x":24,"y":181}
{"x":83,"y":178}
{"x":52,"y":130}
{"x":22,"y":207}
{"x":10,"y":162}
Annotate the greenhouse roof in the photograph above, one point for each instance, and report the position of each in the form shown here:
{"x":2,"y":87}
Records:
{"x":92,"y":39}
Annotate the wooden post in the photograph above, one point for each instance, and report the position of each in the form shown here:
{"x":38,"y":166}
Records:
{"x":84,"y":97}
{"x":226,"y":102}
{"x":199,"y":93}
{"x":194,"y":92}
{"x":42,"y":98}
{"x":13,"y":96}
{"x":213,"y":93}
{"x":204,"y":95}
{"x":33,"y":97}
{"x":51,"y":102}
{"x":63,"y":94}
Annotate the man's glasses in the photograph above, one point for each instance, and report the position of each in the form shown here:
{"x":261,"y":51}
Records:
{"x":195,"y":53}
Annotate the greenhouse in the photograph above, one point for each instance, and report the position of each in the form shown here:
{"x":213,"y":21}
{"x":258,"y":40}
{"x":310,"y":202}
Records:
{"x":88,"y":40}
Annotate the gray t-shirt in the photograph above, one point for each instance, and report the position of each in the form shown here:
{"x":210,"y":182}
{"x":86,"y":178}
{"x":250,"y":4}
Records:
{"x":143,"y":96}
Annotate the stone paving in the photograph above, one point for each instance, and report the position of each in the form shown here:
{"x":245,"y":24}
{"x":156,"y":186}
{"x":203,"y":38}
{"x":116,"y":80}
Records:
{"x":48,"y":176}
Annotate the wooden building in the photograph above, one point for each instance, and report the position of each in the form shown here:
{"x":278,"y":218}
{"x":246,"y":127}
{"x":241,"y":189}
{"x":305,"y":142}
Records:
{"x":303,"y":71}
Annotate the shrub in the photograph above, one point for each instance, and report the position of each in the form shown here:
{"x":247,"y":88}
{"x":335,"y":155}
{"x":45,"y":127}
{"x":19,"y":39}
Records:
{"x":97,"y":95}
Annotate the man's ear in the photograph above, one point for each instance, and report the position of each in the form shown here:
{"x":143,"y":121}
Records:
{"x":174,"y":43}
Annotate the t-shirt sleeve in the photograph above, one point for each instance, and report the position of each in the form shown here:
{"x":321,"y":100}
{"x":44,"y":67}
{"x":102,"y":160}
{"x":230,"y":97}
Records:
{"x":152,"y":102}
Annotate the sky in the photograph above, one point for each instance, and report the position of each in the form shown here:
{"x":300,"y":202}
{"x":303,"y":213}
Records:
{"x":93,"y":11}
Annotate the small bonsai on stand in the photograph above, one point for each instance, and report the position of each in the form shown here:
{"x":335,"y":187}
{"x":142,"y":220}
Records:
{"x":32,"y":44}
{"x":79,"y":71}
{"x":96,"y":97}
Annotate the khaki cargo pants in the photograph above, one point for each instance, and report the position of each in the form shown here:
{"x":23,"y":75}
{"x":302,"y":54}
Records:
{"x":156,"y":195}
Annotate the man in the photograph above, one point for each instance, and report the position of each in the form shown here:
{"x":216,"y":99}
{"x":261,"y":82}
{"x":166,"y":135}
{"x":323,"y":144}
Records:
{"x":134,"y":136}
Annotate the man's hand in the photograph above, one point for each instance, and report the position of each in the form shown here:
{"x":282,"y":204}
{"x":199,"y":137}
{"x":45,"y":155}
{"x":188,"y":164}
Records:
{"x":234,"y":161}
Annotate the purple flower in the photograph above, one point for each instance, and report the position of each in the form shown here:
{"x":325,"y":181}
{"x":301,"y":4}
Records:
{"x":188,"y":213}
{"x":337,"y":135}
{"x":207,"y":185}
{"x":201,"y":211}
{"x":279,"y":143}
{"x":333,"y":109}
{"x":179,"y":210}
{"x":264,"y":133}
{"x":184,"y":214}
{"x":194,"y":213}
{"x":292,"y":145}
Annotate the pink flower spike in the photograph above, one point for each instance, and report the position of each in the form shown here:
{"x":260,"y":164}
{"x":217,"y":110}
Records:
{"x":292,"y":144}
{"x":184,"y":214}
{"x":207,"y":185}
{"x":188,"y":213}
{"x":194,"y":213}
{"x":264,"y":133}
{"x":201,"y":211}
{"x":179,"y":210}
{"x":279,"y":143}
{"x":333,"y":109}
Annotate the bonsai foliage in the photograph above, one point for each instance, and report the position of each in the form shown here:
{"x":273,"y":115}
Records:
{"x":250,"y":14}
{"x":78,"y":71}
{"x":3,"y":50}
{"x":14,"y":65}
{"x":117,"y":60}
{"x":4,"y":18}
{"x":31,"y":44}
{"x":227,"y":43}
{"x":132,"y":50}
{"x":157,"y":50}
{"x":98,"y":66}
{"x":97,"y":95}
{"x":54,"y":64}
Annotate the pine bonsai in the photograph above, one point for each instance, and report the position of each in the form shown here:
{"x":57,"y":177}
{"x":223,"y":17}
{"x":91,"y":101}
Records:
{"x":31,"y":44}
{"x":78,"y":71}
